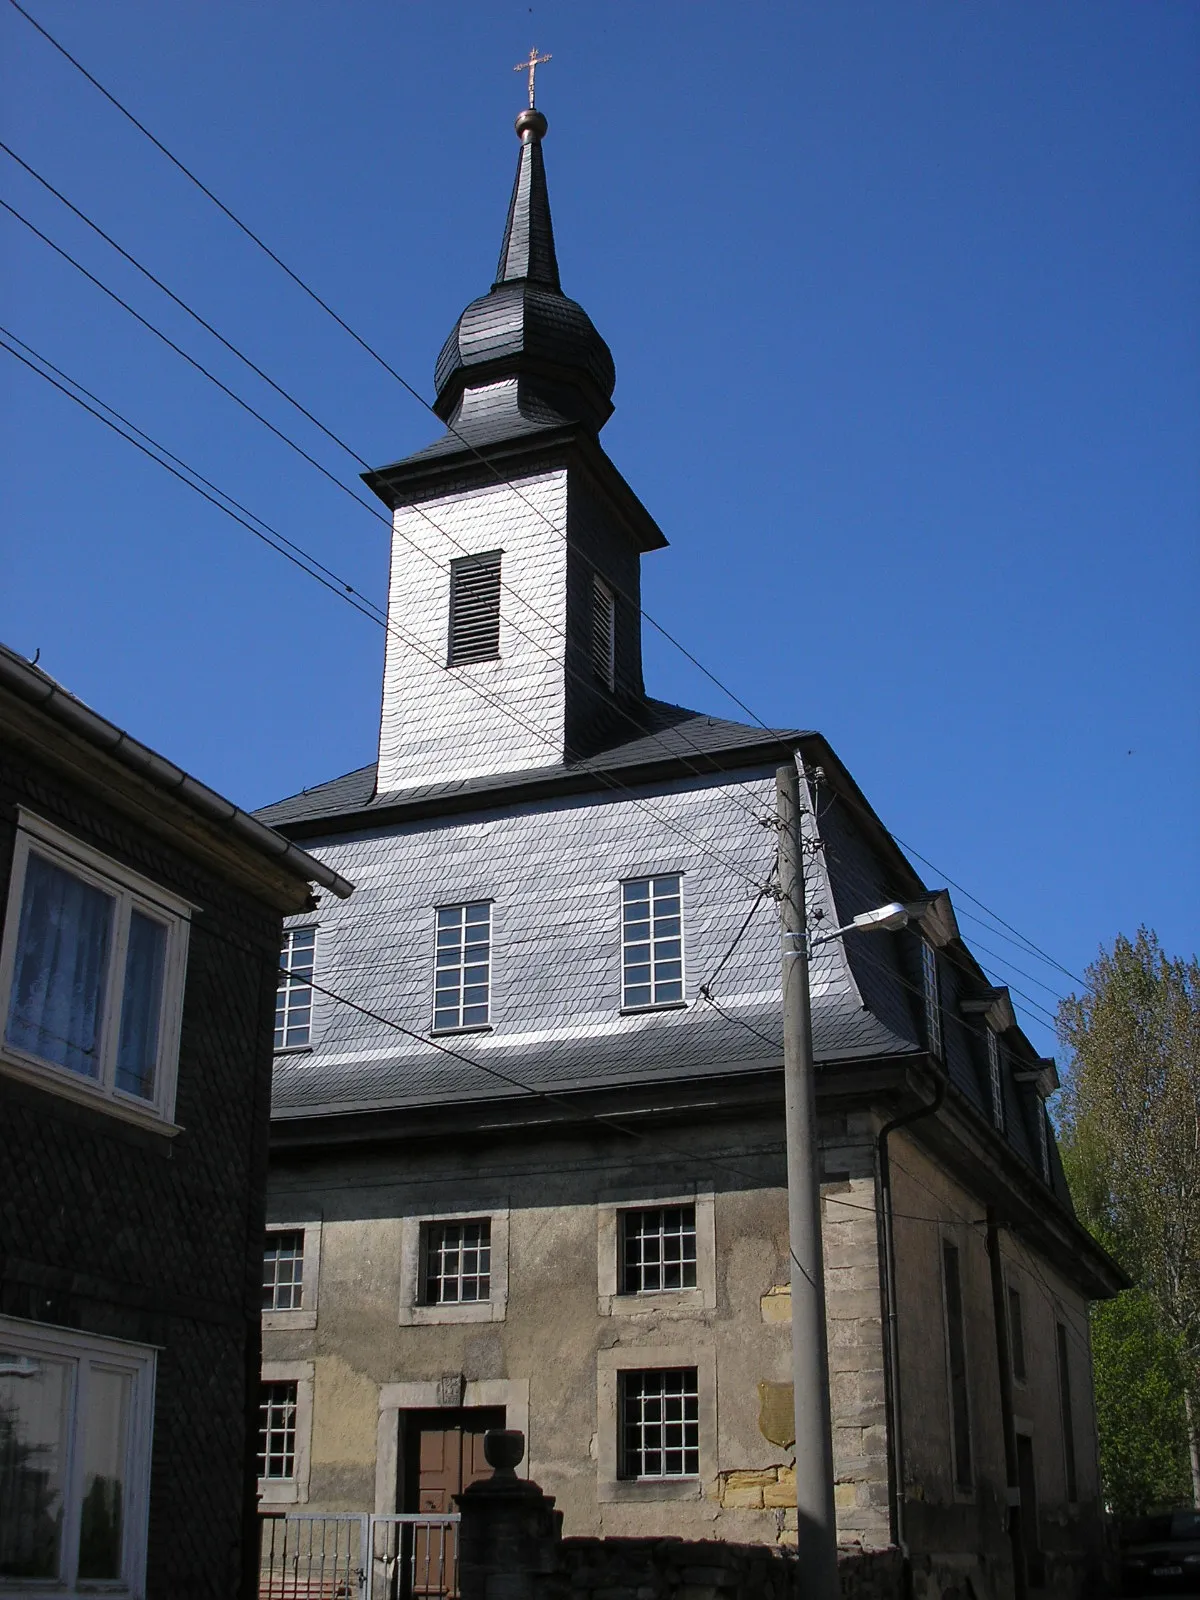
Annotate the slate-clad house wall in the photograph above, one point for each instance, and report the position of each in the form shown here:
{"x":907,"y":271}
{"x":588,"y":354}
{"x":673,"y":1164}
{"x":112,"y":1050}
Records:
{"x":463,"y":1201}
{"x":118,"y":1225}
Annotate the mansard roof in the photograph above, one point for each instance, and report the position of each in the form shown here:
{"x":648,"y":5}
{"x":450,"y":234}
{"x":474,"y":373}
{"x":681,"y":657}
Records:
{"x":678,"y":741}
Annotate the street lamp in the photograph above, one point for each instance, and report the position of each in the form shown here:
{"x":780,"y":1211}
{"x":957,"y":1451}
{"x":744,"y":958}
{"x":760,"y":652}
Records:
{"x":816,"y":1535}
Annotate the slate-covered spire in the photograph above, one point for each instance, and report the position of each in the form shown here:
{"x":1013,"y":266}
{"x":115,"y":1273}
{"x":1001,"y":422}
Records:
{"x":528,"y":248}
{"x":524,"y":357}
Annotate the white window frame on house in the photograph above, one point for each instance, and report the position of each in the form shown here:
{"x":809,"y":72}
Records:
{"x":1018,"y":1352}
{"x":996,"y":1078}
{"x":965,"y":1486}
{"x":414,"y":1232}
{"x":662,"y":949}
{"x":604,"y":632}
{"x":293,"y":1490}
{"x":295,"y":996}
{"x":611,"y":1297}
{"x":1043,"y":1138}
{"x":610,"y":1364}
{"x":931,"y":989}
{"x":82,"y":1354}
{"x":450,"y":957}
{"x":303,"y":1316}
{"x":131,"y":894}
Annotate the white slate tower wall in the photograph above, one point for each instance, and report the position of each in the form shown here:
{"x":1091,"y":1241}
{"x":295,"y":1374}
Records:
{"x":442,"y":723}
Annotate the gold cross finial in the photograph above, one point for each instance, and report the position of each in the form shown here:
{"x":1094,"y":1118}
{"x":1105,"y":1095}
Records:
{"x":531,"y":66}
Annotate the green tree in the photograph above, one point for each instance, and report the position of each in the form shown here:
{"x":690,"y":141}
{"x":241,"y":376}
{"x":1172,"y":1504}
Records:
{"x":1139,"y":1407}
{"x":1130,"y":1124}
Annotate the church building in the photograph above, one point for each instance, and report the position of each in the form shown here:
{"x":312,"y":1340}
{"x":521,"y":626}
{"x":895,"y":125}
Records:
{"x":527,"y":1158}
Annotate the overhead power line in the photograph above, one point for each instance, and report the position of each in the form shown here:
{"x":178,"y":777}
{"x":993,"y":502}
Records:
{"x":359,"y":340}
{"x":623,"y":711}
{"x":299,"y":557}
{"x":370,"y":350}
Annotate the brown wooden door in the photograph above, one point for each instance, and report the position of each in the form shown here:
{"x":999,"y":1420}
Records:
{"x":444,"y":1456}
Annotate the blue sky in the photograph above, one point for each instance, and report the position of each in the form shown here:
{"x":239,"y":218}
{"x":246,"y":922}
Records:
{"x":903,"y":303}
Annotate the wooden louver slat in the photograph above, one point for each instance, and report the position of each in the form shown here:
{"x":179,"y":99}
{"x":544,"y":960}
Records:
{"x":603,"y":632}
{"x":474,"y":609}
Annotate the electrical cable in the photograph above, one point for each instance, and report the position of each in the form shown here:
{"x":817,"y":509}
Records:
{"x":370,"y":350}
{"x":642,"y":727}
{"x":312,"y":294}
{"x":347,"y":593}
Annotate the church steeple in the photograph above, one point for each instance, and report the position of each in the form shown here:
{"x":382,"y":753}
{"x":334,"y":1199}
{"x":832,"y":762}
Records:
{"x":525,"y":329}
{"x":514,"y":642}
{"x":528,"y":248}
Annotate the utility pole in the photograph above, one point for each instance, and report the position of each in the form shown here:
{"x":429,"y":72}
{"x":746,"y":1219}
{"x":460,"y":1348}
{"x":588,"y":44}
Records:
{"x":817,"y":1529}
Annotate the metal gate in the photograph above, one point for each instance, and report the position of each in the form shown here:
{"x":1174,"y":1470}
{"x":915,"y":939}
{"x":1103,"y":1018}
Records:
{"x":413,"y":1557}
{"x":357,"y":1556}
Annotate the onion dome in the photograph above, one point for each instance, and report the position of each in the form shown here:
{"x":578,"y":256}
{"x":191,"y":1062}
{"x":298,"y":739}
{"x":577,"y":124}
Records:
{"x":525,"y":327}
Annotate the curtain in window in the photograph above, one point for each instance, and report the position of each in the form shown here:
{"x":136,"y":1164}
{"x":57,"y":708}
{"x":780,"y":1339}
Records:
{"x":141,"y":1005}
{"x":63,"y":943}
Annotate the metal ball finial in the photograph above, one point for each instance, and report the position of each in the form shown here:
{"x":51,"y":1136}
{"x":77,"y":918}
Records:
{"x":531,"y":125}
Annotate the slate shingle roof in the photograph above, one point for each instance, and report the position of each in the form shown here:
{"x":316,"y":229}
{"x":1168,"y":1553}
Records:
{"x":680,"y":737}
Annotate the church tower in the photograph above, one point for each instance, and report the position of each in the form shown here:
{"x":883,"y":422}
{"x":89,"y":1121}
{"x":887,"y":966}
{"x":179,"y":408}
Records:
{"x":514,"y":640}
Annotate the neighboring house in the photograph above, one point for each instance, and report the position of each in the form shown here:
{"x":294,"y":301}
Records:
{"x":527,"y":1137}
{"x":142,"y":916}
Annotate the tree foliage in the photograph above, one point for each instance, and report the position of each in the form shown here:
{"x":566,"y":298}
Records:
{"x":1130,"y":1125}
{"x":1139,"y":1407}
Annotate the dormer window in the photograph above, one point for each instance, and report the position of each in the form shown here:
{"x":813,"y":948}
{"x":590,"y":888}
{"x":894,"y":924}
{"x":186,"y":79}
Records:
{"x":474,"y":609}
{"x":933,"y":998}
{"x":995,"y":1080}
{"x":604,"y":633}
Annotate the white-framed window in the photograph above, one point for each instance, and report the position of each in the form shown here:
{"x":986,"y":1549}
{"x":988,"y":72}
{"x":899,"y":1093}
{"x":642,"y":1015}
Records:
{"x":604,"y":632}
{"x":954,"y":1313}
{"x":91,"y":976}
{"x":291,"y":1275}
{"x":294,"y":997}
{"x":658,"y":1249}
{"x":931,"y":989}
{"x":285,"y":1405}
{"x":995,"y":1080}
{"x":652,"y":942}
{"x":454,"y":1267}
{"x":277,"y":1404}
{"x":474,"y":609}
{"x":1043,"y":1140}
{"x":456,"y":1262}
{"x":1016,"y":1335}
{"x":76,"y":1415}
{"x":659,"y":1423}
{"x":664,"y":1247}
{"x":463,"y":967}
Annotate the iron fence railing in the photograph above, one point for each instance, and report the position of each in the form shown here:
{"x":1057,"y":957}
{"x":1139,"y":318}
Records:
{"x":357,"y":1556}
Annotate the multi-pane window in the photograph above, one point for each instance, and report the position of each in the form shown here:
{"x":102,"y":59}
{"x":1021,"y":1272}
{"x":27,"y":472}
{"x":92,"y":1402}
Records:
{"x":604,"y":632}
{"x":75,"y":1426}
{"x":652,"y":942}
{"x":462,"y":978}
{"x":659,"y":1424}
{"x":956,"y":1361}
{"x":1016,"y":1334}
{"x":933,"y":997}
{"x":283,"y":1271}
{"x":1065,"y":1410}
{"x":1043,"y":1141}
{"x":474,"y":609}
{"x":456,"y":1264}
{"x":294,"y":997}
{"x":92,"y":972}
{"x":277,"y":1430}
{"x":995,"y":1080}
{"x":658,"y":1249}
